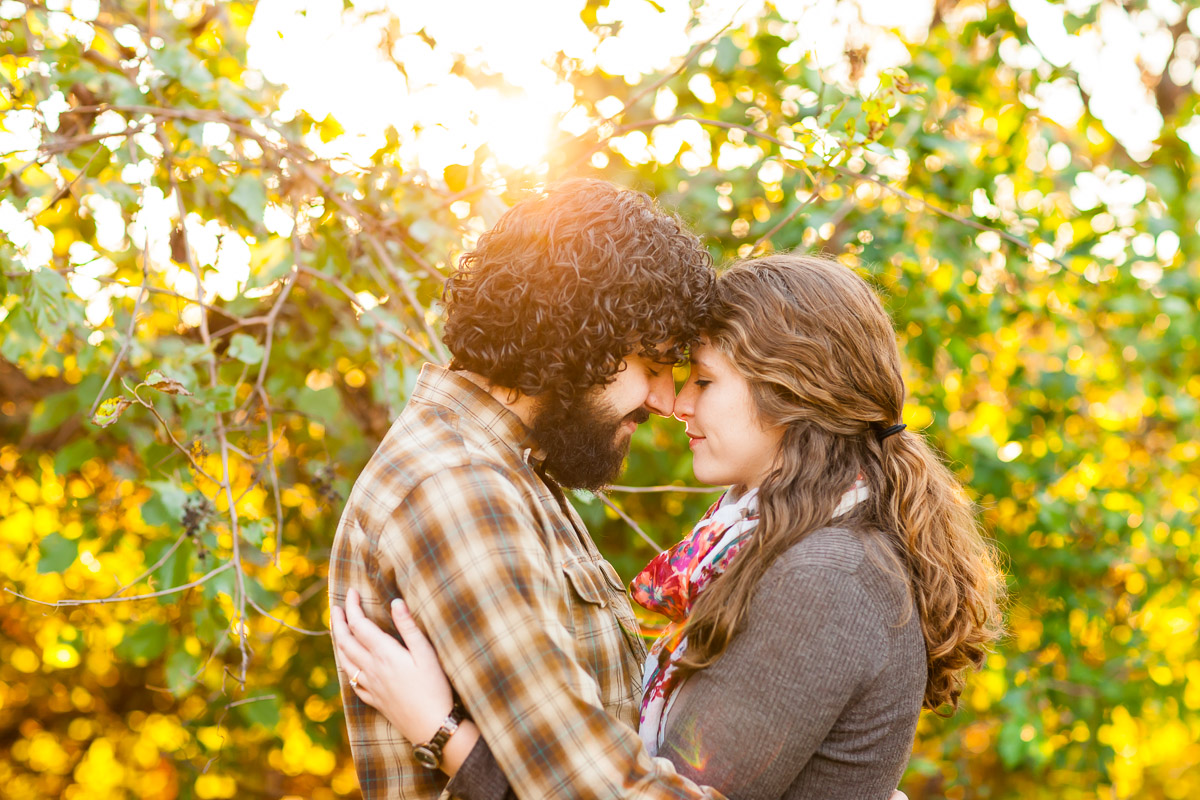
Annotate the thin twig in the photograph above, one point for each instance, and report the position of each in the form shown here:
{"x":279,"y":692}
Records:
{"x":226,"y":483}
{"x":629,"y":520}
{"x":687,"y":59}
{"x":178,"y":446}
{"x":274,"y":473}
{"x":766,"y":237}
{"x":383,"y":324}
{"x":246,"y":700}
{"x":150,"y":570}
{"x":846,"y":173}
{"x":137,"y":307}
{"x":666,"y":488}
{"x":104,"y":600}
{"x":418,"y":309}
{"x":265,"y":613}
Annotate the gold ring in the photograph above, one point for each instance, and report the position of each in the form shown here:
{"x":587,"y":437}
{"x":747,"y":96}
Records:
{"x":354,"y":680}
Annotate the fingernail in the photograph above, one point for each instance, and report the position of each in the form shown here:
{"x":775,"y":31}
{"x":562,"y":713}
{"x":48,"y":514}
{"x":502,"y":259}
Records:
{"x":398,"y":605}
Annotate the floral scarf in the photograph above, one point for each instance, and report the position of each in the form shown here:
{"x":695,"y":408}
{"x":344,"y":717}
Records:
{"x":673,"y":581}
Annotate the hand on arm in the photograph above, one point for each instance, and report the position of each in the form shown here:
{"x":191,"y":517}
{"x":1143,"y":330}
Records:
{"x":405,"y":684}
{"x":480,"y":577}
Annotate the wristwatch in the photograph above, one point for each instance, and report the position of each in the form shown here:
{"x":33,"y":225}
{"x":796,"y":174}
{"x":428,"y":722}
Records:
{"x":430,"y":753}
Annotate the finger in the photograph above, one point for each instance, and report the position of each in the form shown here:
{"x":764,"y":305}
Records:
{"x":341,"y":634}
{"x":347,"y":643}
{"x":418,"y":644}
{"x":366,"y":631}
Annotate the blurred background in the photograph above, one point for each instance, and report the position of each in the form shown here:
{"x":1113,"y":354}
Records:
{"x":223,"y":233}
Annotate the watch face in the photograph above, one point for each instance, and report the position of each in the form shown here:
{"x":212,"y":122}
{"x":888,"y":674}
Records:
{"x":426,"y":757}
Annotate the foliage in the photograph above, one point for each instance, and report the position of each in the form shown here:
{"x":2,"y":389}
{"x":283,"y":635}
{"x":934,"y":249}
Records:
{"x":206,"y":329}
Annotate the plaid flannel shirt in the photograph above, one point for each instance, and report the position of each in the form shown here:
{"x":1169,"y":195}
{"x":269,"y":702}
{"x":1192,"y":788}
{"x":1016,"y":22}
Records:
{"x":532,"y":625}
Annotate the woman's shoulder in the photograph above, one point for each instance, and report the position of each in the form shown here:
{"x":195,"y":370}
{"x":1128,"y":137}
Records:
{"x":853,"y":558}
{"x":835,"y":548}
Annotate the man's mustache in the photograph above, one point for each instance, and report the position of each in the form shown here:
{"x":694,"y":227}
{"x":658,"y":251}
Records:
{"x":637,"y":417}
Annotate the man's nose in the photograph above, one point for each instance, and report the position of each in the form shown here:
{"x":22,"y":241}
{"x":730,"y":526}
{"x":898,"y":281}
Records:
{"x":661,"y":397}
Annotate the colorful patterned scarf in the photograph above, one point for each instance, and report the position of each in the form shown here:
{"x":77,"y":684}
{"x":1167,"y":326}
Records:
{"x":673,"y":581}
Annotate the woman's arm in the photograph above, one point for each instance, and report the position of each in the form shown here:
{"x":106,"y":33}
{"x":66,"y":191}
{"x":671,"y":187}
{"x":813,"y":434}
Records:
{"x":406,"y":684}
{"x":813,"y":643}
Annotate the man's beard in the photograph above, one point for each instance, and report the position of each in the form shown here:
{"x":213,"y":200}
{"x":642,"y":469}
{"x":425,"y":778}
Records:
{"x":580,"y":441}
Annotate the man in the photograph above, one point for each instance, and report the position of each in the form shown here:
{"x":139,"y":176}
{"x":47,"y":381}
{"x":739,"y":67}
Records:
{"x":563,"y":323}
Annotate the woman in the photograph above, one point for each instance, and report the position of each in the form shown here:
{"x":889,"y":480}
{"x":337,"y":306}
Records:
{"x":840,"y":585}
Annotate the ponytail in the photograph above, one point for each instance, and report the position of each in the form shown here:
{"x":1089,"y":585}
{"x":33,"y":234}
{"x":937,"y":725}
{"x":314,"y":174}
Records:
{"x":955,"y":574}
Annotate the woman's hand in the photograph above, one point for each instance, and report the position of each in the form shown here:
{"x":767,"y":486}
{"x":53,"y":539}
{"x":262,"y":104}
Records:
{"x":405,"y":684}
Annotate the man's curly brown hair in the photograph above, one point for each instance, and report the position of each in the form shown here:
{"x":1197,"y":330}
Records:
{"x":569,"y":283}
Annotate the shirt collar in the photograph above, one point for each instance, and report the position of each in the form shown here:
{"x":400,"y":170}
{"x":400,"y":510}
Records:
{"x":444,"y":387}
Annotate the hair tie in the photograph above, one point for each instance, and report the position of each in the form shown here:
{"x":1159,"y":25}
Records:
{"x":885,"y":433}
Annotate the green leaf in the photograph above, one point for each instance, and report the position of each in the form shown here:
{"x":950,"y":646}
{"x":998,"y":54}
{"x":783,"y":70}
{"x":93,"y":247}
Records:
{"x":249,"y":196}
{"x":58,"y":553}
{"x":144,"y":644}
{"x":177,"y":62}
{"x":110,"y":411}
{"x":54,"y":411}
{"x":74,"y":455}
{"x":176,"y":570}
{"x":728,"y":54}
{"x":157,"y":380}
{"x":324,"y":404}
{"x":265,"y":598}
{"x":263,"y":713}
{"x":253,"y":532}
{"x":166,"y":506}
{"x":245,"y":348}
{"x":181,"y":670}
{"x":218,"y":585}
{"x":20,"y":338}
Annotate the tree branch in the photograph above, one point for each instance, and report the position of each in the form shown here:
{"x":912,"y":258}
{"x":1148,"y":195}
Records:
{"x":105,"y":600}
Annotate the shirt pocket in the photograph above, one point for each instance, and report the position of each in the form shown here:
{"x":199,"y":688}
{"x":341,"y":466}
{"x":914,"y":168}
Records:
{"x":623,"y":611}
{"x":606,"y":634}
{"x":587,"y":582}
{"x":599,"y":640}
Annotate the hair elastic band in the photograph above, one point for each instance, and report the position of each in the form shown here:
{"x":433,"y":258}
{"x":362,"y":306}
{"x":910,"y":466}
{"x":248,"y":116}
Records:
{"x":889,"y":431}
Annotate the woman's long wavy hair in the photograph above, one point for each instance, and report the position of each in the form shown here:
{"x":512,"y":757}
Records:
{"x":820,"y":354}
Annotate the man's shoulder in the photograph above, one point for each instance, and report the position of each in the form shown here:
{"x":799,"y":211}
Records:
{"x":426,"y":444}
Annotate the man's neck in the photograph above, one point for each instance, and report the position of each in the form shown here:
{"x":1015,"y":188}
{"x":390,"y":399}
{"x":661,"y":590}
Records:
{"x":524,"y":406}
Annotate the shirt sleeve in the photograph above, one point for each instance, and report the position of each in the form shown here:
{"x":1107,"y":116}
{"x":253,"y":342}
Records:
{"x":471,"y":563}
{"x":480,"y":777}
{"x":749,"y":724}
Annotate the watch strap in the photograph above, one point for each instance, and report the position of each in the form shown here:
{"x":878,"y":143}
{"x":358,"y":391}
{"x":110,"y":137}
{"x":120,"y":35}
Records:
{"x":429,"y":754}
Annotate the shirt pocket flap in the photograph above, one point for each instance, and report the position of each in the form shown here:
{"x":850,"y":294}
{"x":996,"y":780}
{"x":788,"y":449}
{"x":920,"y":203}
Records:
{"x":587,"y":581}
{"x":610,"y":574}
